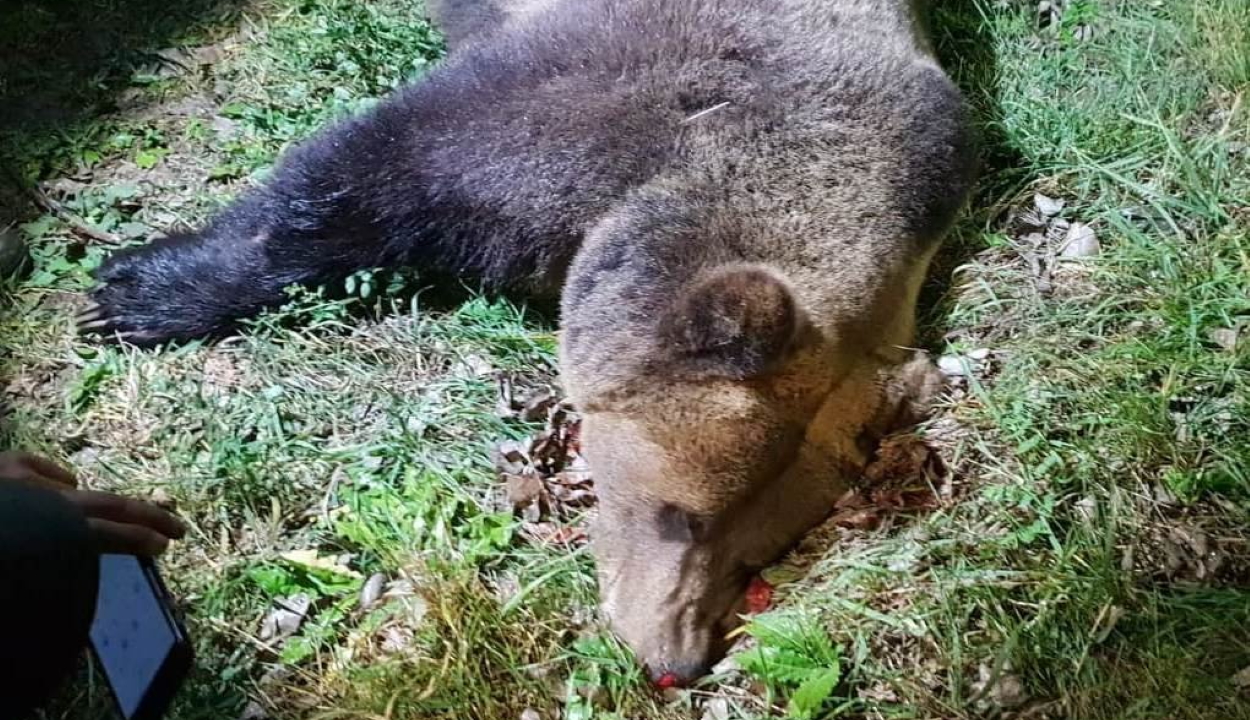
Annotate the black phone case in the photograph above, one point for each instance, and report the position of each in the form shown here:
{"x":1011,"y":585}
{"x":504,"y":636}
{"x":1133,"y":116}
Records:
{"x":177,"y":664}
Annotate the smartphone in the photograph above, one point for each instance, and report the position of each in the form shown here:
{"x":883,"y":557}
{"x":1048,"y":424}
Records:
{"x":137,"y":639}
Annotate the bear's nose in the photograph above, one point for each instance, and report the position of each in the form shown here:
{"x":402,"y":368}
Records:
{"x":676,"y":674}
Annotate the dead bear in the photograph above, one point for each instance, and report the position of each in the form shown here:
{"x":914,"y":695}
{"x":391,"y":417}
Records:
{"x":737,"y":200}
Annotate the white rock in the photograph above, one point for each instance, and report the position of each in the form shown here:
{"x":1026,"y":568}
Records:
{"x":1047,"y":206}
{"x":953,"y":365}
{"x":1081,"y":242}
{"x":371,"y":592}
{"x":716,"y":709}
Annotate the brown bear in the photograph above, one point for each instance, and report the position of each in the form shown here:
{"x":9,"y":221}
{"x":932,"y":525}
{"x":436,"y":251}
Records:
{"x":737,"y":201}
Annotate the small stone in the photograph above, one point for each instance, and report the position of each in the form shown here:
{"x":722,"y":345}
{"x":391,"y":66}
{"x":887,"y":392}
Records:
{"x":1047,"y":206}
{"x":1006,"y":690}
{"x":596,"y":695}
{"x":530,"y":714}
{"x":253,"y":711}
{"x":728,"y":664}
{"x":371,"y":592}
{"x":979,"y":354}
{"x":716,"y":709}
{"x":1009,"y":692}
{"x":1226,"y":338}
{"x":953,"y":366}
{"x":1081,"y":242}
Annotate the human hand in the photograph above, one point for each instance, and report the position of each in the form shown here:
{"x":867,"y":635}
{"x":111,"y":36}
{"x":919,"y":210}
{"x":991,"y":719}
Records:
{"x":118,"y":525}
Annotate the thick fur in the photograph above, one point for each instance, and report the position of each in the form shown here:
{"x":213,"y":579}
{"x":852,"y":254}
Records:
{"x":737,"y":199}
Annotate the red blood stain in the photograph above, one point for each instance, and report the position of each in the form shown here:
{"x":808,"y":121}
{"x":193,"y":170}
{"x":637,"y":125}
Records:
{"x":667,"y":680}
{"x":759,"y":595}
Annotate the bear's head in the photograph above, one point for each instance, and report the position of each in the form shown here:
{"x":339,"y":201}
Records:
{"x":721,"y":424}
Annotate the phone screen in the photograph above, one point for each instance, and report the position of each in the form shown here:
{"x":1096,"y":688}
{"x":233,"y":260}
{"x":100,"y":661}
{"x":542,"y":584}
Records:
{"x":134,"y":635}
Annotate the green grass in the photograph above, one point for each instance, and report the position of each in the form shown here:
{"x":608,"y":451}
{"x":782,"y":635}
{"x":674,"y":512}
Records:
{"x":1093,"y":563}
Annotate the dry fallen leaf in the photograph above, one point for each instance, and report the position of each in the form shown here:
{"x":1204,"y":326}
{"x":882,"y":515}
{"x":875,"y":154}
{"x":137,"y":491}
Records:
{"x":511,"y":457}
{"x":1226,"y":338}
{"x":545,"y":533}
{"x":524,"y":490}
{"x":1241,"y":680}
{"x":396,"y":639}
{"x":857,"y":519}
{"x":315,"y":560}
{"x":286,"y":617}
{"x":547,"y":477}
{"x":538,"y":406}
{"x":1004,"y":690}
{"x":506,"y":405}
{"x":904,"y":462}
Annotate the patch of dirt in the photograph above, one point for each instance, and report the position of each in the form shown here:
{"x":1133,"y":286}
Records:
{"x":224,"y":371}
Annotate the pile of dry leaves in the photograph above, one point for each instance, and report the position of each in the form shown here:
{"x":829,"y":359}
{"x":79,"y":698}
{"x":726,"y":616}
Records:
{"x":906,"y":476}
{"x":547,"y":481}
{"x":1044,"y":240}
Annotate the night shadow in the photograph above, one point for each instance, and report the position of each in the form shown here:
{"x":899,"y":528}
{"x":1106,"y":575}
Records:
{"x":66,"y":63}
{"x":65,"y":66}
{"x":964,"y":39}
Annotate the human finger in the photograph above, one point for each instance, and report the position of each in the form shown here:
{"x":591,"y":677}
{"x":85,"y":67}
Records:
{"x":117,"y":538}
{"x":118,"y":509}
{"x":25,"y":467}
{"x":51,"y":470}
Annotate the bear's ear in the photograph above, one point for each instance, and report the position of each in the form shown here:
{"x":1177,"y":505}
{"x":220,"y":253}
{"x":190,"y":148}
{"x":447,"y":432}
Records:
{"x":738,"y":322}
